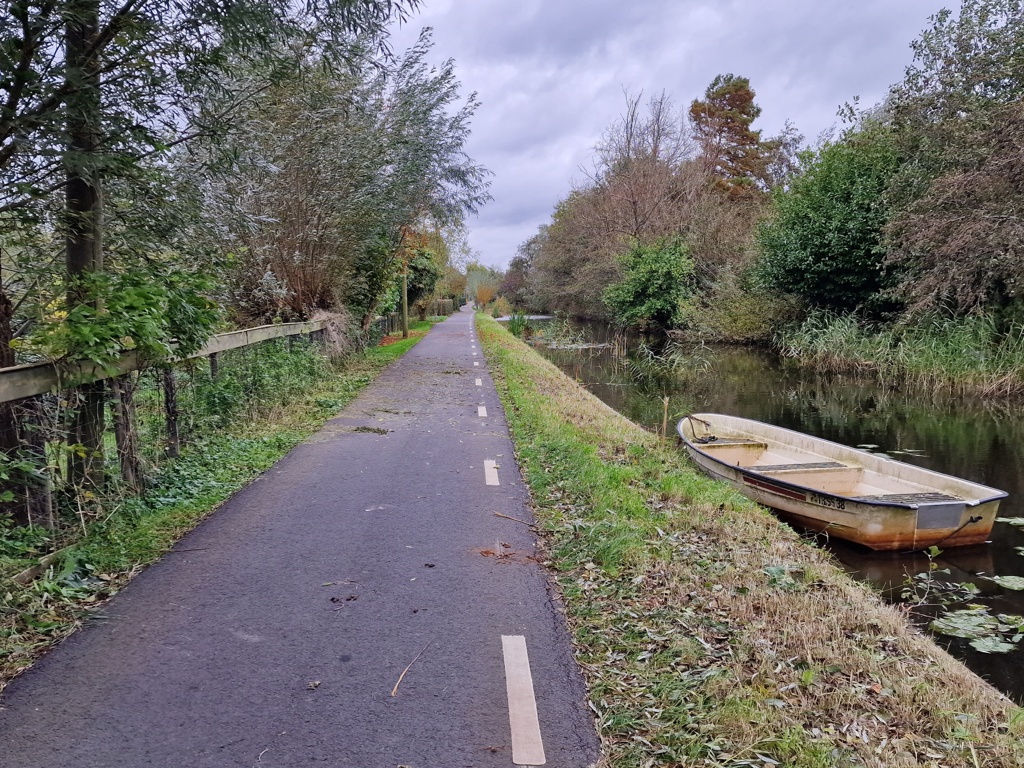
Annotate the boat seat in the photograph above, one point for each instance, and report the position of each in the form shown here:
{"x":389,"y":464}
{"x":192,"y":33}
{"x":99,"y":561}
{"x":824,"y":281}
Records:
{"x":911,"y":498}
{"x":803,"y":465}
{"x":732,"y":443}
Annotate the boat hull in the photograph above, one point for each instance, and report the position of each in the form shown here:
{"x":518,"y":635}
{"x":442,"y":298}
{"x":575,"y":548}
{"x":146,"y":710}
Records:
{"x":801,"y":495}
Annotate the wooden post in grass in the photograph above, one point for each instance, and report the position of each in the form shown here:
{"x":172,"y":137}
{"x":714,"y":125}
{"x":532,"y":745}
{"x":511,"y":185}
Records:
{"x":125,"y":432}
{"x":214,"y":366}
{"x":38,"y":494}
{"x":171,"y":412}
{"x":664,"y":417}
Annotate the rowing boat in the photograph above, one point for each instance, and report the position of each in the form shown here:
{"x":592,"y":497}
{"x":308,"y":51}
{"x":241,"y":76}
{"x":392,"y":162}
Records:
{"x":844,"y":492}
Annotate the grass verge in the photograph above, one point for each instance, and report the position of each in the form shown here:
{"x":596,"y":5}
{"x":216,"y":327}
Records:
{"x":97,"y":562}
{"x":709,"y":633}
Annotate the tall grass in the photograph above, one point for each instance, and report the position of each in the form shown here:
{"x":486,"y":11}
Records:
{"x":954,"y":355}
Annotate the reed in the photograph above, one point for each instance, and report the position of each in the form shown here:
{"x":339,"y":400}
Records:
{"x":518,"y":324}
{"x":963,"y":356}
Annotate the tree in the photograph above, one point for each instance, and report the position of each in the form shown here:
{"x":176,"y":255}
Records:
{"x":332,"y":172}
{"x":958,"y":245}
{"x":482,"y":282}
{"x":956,"y":228}
{"x":515,"y":286}
{"x":824,"y":242}
{"x":730,"y":149}
{"x":655,"y":284}
{"x":92,"y":91}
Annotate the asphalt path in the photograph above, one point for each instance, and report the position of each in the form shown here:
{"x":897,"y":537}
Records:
{"x":275,"y":633}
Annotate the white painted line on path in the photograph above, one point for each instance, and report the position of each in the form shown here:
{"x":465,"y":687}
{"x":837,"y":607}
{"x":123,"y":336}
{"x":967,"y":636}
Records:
{"x":527,"y":746}
{"x":476,"y":362}
{"x":474,"y":354}
{"x":481,"y":411}
{"x":479,"y":382}
{"x":491,"y":472}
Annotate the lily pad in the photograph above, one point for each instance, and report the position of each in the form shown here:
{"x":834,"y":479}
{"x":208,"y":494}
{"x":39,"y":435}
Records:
{"x":992,"y":645}
{"x":1016,"y":583}
{"x":1011,"y":520}
{"x":1012,"y":620}
{"x":970,"y":623}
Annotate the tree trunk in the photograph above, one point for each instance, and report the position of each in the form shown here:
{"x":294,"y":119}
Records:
{"x":84,"y":210}
{"x":126,"y":434}
{"x":171,"y":413}
{"x":8,"y":418}
{"x":405,"y":302}
{"x":38,"y":494}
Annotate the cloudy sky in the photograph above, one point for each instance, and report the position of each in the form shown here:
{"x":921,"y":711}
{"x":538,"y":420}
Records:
{"x":551,"y":76}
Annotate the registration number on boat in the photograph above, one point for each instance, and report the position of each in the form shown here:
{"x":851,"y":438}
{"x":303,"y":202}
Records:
{"x":826,"y":501}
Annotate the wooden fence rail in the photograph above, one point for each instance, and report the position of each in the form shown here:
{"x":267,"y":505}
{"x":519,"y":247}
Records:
{"x":22,"y":381}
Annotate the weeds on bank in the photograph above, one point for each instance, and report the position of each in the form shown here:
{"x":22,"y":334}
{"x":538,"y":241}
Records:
{"x":710,"y":634}
{"x":958,"y":356}
{"x":255,"y":420}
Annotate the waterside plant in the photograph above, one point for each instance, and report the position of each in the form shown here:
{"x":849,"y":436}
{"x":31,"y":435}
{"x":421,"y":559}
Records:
{"x":956,"y":355}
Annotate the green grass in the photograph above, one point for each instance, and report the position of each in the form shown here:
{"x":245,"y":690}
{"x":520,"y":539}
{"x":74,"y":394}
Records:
{"x":135,"y":531}
{"x":708,"y":633}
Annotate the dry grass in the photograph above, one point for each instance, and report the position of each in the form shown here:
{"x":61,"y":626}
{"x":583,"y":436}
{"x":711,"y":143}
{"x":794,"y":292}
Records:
{"x":709,"y":633}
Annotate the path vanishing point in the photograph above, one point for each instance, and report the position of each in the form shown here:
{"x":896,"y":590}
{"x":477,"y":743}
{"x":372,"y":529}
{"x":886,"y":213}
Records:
{"x":360,"y":604}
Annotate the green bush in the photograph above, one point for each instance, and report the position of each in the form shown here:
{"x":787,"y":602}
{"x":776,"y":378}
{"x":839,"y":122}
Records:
{"x":656,"y":283}
{"x":736,"y":311}
{"x":824,"y":243}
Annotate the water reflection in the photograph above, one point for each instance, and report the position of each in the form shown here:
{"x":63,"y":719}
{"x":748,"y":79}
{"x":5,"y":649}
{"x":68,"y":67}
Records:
{"x":977,"y":440}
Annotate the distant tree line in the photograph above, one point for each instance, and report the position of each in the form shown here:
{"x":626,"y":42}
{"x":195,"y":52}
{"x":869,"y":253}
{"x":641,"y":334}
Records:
{"x":912,"y":210}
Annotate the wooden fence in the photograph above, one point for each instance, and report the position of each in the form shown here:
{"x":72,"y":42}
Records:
{"x":23,"y":381}
{"x":32,"y":397}
{"x":24,"y":390}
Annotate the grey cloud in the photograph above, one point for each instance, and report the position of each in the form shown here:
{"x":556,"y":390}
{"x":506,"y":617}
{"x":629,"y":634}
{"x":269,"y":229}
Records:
{"x":551,"y":73}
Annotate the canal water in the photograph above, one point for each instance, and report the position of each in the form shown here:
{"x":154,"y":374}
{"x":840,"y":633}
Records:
{"x":978,"y":440}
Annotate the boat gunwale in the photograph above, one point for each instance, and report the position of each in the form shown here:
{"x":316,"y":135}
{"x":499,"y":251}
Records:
{"x":796,"y":486}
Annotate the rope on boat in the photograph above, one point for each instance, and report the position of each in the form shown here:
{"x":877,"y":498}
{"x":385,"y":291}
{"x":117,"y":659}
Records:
{"x":970,"y":521}
{"x":700,"y":440}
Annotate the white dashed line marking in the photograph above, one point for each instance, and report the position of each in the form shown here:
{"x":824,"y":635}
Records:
{"x":527,"y":746}
{"x":479,"y":382}
{"x":476,"y":362}
{"x":481,"y":411}
{"x":491,"y":472}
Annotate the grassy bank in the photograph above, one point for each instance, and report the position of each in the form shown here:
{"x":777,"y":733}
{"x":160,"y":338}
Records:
{"x":963,"y":356}
{"x":710,"y":634}
{"x":99,"y":557}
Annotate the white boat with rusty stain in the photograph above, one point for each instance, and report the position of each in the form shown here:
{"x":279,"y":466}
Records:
{"x":844,"y":492}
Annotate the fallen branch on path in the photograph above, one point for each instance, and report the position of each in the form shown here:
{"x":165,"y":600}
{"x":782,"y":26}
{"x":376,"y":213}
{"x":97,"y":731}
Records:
{"x":516,"y":519}
{"x":394,"y":691}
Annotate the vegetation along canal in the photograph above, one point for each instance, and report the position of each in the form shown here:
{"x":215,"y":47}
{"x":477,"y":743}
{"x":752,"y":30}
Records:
{"x":969,"y":597}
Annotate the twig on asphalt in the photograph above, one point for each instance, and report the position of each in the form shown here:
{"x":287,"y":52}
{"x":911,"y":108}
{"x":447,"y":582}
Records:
{"x":394,"y":691}
{"x":509,"y":517}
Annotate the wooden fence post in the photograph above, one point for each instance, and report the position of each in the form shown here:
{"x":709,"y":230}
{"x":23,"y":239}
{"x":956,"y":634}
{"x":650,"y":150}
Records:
{"x":171,"y":412}
{"x":125,"y":432}
{"x":38,"y":495}
{"x":214,"y":366}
